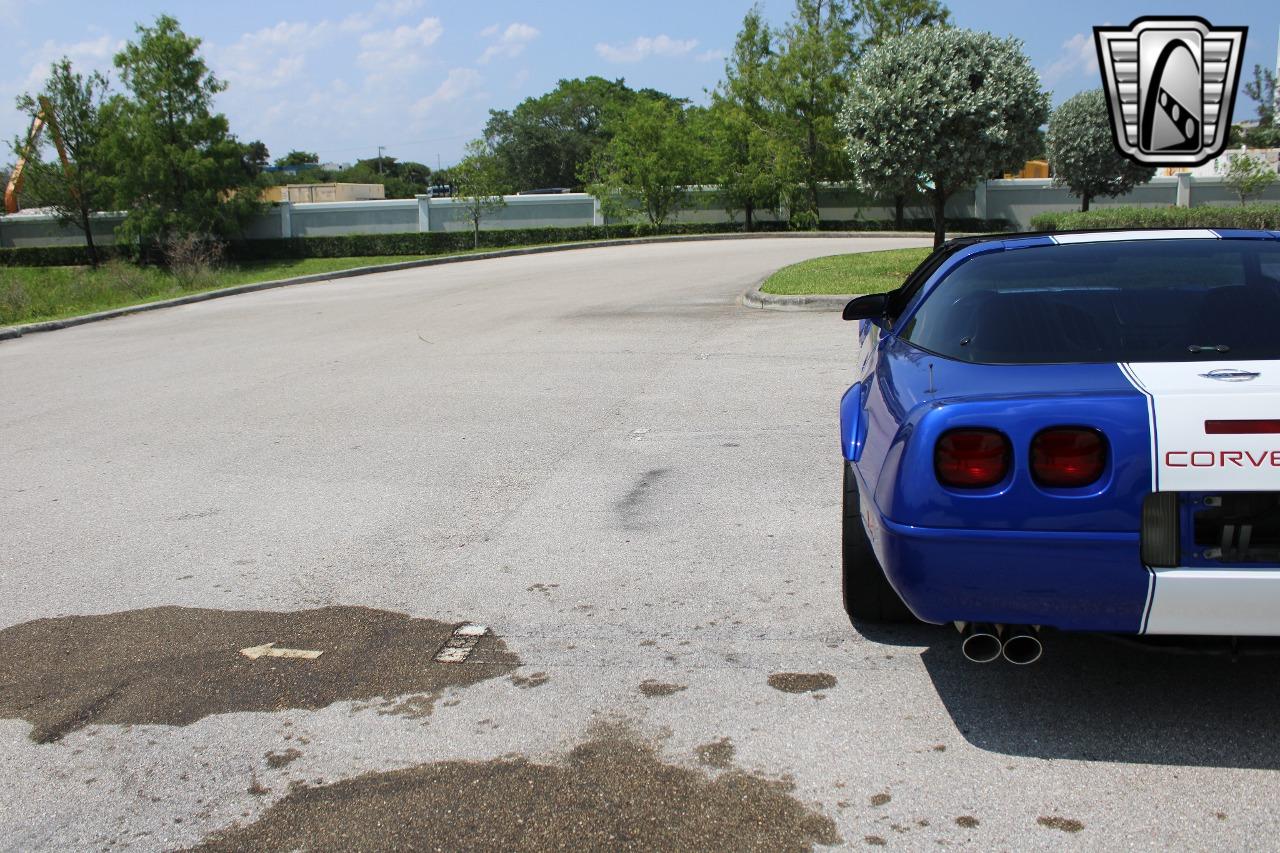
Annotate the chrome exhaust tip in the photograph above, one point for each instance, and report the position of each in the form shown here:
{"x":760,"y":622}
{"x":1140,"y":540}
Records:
{"x":980,"y":642}
{"x":1022,"y":646}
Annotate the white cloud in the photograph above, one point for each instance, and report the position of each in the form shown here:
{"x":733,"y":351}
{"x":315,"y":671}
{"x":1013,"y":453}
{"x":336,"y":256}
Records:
{"x":272,"y":56}
{"x":511,"y":43}
{"x":399,"y":49}
{"x":1078,"y":55}
{"x":90,"y":54}
{"x":713,"y":55}
{"x":396,"y":8}
{"x":460,"y":83}
{"x":643,"y":47}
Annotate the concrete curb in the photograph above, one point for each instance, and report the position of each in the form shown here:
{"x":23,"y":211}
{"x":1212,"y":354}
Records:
{"x":10,"y":332}
{"x":757,"y":298}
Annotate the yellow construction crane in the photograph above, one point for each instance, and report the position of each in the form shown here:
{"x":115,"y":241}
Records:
{"x":43,"y":118}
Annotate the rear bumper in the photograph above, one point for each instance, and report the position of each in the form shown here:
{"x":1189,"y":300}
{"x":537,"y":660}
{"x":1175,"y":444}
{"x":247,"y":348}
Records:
{"x":1071,"y":581}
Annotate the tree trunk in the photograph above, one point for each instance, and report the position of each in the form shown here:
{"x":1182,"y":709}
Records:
{"x":899,"y":203}
{"x":748,"y":210}
{"x":87,"y":224}
{"x":939,"y":215}
{"x":1084,"y":203}
{"x":476,"y":223}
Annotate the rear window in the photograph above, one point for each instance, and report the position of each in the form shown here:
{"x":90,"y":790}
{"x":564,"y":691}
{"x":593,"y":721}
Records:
{"x":1129,"y":301}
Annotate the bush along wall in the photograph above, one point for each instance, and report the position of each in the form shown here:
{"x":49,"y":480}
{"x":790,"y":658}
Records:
{"x":418,"y":244}
{"x":1256,"y":216}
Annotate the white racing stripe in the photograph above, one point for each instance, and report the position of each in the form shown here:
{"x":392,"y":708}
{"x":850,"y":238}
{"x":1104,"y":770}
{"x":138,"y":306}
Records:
{"x":1181,"y":398}
{"x":1119,"y":236}
{"x":1215,"y":602}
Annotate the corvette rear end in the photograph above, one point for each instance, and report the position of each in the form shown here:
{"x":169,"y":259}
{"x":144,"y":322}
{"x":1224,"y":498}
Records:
{"x":1079,"y":431}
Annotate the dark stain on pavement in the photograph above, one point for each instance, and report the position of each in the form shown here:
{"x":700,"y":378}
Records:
{"x":633,"y":502}
{"x":717,"y":754}
{"x":611,"y":793}
{"x":652,"y":688}
{"x":525,"y":682}
{"x":801,"y":682}
{"x":175,"y":665}
{"x":1065,"y":824}
{"x":966,"y":821}
{"x":276,"y":760}
{"x":880,"y":799}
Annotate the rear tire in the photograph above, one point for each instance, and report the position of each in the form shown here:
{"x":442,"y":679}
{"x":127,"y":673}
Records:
{"x":868,"y":597}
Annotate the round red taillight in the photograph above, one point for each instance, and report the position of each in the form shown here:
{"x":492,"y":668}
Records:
{"x":1068,"y":457}
{"x":972,"y":458}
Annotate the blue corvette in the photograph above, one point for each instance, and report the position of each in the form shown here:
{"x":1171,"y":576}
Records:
{"x":1076,"y":430}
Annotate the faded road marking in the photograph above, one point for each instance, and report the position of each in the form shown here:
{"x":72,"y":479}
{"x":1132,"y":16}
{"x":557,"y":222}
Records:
{"x":269,"y":650}
{"x":459,"y":646}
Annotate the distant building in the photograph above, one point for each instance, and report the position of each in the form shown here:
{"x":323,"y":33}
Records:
{"x":307,"y":193}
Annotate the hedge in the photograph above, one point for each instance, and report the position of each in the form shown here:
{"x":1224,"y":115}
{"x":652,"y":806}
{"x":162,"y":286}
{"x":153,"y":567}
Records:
{"x":444,"y":242}
{"x":1258,"y":216}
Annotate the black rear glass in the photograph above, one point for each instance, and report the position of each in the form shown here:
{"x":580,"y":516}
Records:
{"x":1137,"y":300}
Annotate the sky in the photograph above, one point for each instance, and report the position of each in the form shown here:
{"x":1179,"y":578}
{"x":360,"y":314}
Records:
{"x":419,"y":77}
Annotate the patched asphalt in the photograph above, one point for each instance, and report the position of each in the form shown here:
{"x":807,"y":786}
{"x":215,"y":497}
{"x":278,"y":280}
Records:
{"x":175,"y":665}
{"x":612,"y":792}
{"x":633,"y":483}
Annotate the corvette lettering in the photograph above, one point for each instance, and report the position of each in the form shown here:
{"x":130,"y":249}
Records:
{"x":1222,"y":459}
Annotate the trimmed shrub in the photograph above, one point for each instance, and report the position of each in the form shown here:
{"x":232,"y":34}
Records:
{"x":1257,"y":216}
{"x":446,"y":242}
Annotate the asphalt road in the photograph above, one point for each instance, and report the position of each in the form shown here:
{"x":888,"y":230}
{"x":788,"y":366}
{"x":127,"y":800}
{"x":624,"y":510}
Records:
{"x":633,"y":483}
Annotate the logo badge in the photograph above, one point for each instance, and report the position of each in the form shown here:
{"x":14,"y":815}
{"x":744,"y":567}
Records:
{"x":1170,"y":86}
{"x":1231,"y":374}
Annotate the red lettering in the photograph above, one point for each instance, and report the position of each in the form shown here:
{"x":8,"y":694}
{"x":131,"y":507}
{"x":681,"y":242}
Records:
{"x":1258,"y":463}
{"x":1275,"y":459}
{"x":1168,"y":459}
{"x":1200,"y":454}
{"x":1232,"y":456}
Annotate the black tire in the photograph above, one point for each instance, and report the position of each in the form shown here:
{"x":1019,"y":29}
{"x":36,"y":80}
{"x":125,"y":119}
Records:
{"x":868,"y":597}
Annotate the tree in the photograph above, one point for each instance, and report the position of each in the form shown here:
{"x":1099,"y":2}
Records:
{"x":946,"y":106}
{"x":885,"y":19}
{"x":479,"y":183}
{"x":741,"y":156}
{"x":181,"y":172}
{"x":1246,"y":175}
{"x":545,"y":141}
{"x":1263,"y":90}
{"x":1084,"y":156}
{"x":256,"y":157}
{"x":298,"y":158}
{"x":72,"y":105}
{"x":807,"y":83}
{"x":651,"y":158}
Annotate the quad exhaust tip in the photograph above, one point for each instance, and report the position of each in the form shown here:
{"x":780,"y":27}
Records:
{"x":980,"y":642}
{"x":983,"y":642}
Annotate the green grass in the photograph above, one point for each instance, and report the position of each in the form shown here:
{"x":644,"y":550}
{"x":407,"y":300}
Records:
{"x":861,"y":272}
{"x":31,"y":294}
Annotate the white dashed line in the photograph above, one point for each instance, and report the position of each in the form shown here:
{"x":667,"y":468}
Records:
{"x":458,"y":646}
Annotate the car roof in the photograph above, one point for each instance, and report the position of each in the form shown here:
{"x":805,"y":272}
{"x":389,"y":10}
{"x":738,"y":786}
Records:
{"x":1026,"y":239}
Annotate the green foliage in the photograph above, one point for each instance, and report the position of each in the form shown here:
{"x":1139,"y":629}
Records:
{"x":84,"y":186}
{"x":886,"y":19}
{"x":1262,"y":88}
{"x":256,"y":157}
{"x":479,"y":184}
{"x":945,"y":107}
{"x":651,"y":157}
{"x":1263,"y":136}
{"x":806,"y":84}
{"x":298,"y":158}
{"x":180,"y":169}
{"x":1083,"y":154}
{"x":1259,"y":216}
{"x":442,"y":242}
{"x":548,"y":140}
{"x":741,"y":156}
{"x":1246,"y":175}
